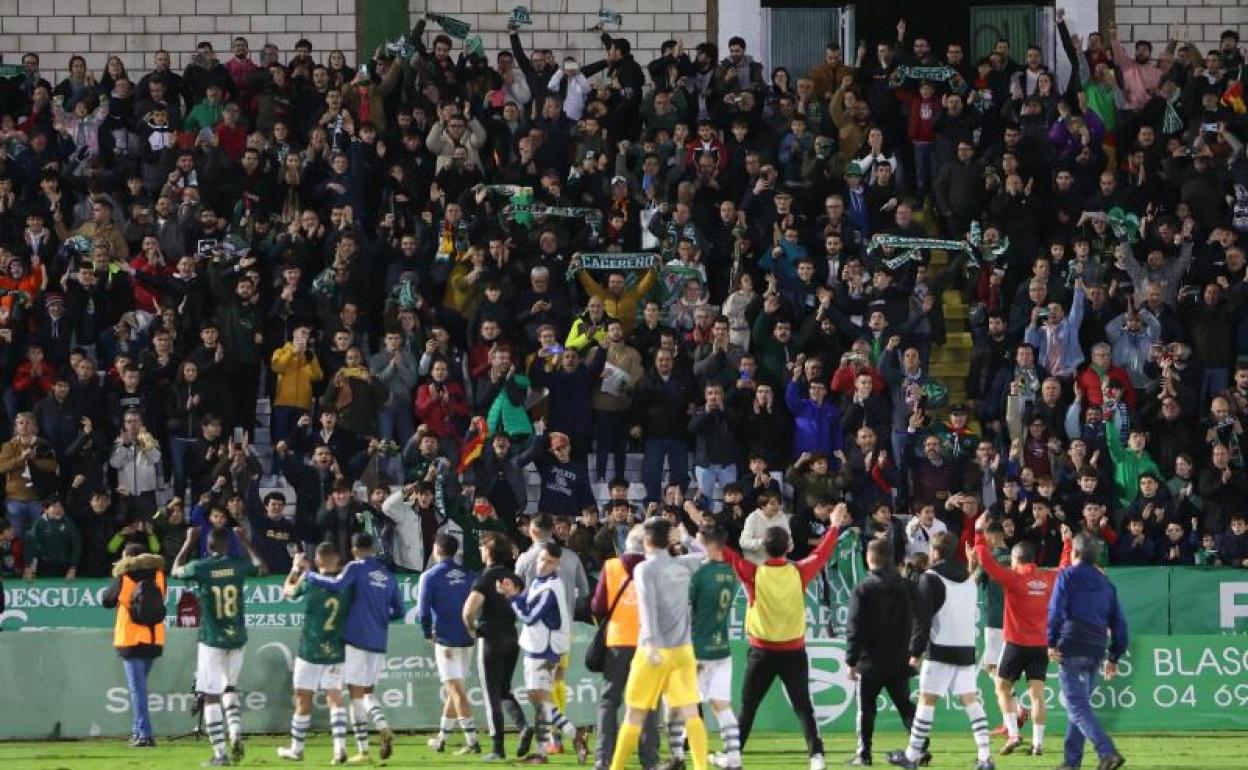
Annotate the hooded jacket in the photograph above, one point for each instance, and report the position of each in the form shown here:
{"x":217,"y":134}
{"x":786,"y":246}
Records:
{"x":131,"y":639}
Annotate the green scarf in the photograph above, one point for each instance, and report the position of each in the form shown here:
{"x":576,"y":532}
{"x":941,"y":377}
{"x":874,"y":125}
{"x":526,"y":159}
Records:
{"x":1172,"y":121}
{"x":623,"y":262}
{"x":940,"y":74}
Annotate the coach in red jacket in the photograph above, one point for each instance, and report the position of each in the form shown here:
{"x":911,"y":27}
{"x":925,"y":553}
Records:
{"x":1027,"y":591}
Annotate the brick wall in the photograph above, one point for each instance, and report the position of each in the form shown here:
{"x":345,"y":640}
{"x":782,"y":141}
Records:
{"x":1193,"y":21}
{"x":136,"y":29}
{"x":561,"y":25}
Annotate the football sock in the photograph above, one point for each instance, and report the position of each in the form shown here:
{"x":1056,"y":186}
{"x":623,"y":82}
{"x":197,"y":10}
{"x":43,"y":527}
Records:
{"x":922,"y":727}
{"x":676,"y":736}
{"x":730,"y":734}
{"x":233,"y":715}
{"x":625,"y":745}
{"x":214,"y":726}
{"x":696,"y":730}
{"x":374,"y":713}
{"x":979,"y":727}
{"x":338,"y":728}
{"x":299,"y":724}
{"x":1037,"y":734}
{"x":1011,"y":722}
{"x":470,"y":730}
{"x":359,"y":723}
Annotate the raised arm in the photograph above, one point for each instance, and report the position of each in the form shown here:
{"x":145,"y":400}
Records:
{"x":335,"y":583}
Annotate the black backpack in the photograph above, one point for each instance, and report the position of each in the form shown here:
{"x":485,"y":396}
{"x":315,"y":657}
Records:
{"x":147,"y":604}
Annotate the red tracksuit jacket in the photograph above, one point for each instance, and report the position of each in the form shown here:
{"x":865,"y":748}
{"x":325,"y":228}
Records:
{"x":1027,"y":592}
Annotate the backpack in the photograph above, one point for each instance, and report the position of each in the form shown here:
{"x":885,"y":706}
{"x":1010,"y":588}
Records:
{"x":147,"y":604}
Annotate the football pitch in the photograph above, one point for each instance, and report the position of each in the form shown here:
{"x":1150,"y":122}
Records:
{"x":952,"y":751}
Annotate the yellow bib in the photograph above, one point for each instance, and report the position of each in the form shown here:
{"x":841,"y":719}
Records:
{"x":778,"y":613}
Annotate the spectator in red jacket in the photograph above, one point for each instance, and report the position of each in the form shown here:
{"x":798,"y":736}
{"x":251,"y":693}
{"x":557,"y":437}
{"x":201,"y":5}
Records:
{"x":1091,"y":379}
{"x":706,"y":141}
{"x":442,"y":407}
{"x":923,"y":113}
{"x":34,"y":376}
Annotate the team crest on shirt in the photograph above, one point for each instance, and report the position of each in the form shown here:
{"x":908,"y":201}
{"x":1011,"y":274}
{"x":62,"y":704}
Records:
{"x":831,"y":689}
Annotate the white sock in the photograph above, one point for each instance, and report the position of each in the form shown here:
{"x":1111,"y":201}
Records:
{"x":213,"y":725}
{"x":1037,"y":734}
{"x":299,"y":724}
{"x":359,"y":724}
{"x":233,"y":715}
{"x":445,"y":728}
{"x":1011,"y":722}
{"x":338,"y":728}
{"x":730,"y":734}
{"x":375,"y":713}
{"x":470,"y":730}
{"x":919,"y":730}
{"x":676,"y":737}
{"x":979,"y":728}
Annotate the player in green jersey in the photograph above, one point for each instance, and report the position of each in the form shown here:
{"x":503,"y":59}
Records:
{"x":218,"y":585}
{"x":319,"y":663}
{"x":712,"y":591}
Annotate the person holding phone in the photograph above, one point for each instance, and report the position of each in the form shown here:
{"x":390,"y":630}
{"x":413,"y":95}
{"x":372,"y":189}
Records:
{"x":136,"y":458}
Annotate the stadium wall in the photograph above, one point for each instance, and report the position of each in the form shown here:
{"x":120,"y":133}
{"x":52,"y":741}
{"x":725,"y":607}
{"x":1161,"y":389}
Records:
{"x":136,"y":29}
{"x":1187,"y":668}
{"x":69,"y":684}
{"x":1193,"y":21}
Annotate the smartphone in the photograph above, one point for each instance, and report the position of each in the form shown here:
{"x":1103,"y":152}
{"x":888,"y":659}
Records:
{"x":238,"y":436}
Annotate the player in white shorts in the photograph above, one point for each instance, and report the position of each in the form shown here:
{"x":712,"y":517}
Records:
{"x":375,"y":603}
{"x":318,"y":666}
{"x":442,"y":592}
{"x":362,"y":668}
{"x":994,"y":643}
{"x":712,"y":590}
{"x":944,"y":639}
{"x":218,"y":582}
{"x":453,"y":662}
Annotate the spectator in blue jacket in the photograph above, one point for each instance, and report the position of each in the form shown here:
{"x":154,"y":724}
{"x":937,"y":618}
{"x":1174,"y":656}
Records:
{"x":1083,"y":612}
{"x":375,"y":603}
{"x":441,"y":595}
{"x":816,"y":420}
{"x":564,"y":481}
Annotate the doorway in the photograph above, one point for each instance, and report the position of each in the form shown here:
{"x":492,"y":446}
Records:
{"x":941,"y":22}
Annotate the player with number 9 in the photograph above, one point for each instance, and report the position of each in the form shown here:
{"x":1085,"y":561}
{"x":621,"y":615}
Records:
{"x":218,"y":583}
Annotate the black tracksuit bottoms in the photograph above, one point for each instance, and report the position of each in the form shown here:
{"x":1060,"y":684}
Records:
{"x":496,"y":660}
{"x":792,"y":666}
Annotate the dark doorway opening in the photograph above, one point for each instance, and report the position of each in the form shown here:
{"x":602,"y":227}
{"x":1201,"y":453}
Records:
{"x":940,"y":21}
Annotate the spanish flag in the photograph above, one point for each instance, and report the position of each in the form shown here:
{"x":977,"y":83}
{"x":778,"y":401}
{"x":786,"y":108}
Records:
{"x":474,"y":443}
{"x":1234,"y":97}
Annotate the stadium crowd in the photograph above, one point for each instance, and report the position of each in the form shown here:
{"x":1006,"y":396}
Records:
{"x":440,"y":268}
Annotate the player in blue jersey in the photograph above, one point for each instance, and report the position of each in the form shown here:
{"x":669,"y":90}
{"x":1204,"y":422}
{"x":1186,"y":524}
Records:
{"x":441,"y":596}
{"x":375,"y":603}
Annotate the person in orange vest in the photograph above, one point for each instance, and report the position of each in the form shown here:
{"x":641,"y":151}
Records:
{"x":139,"y":587}
{"x":615,"y":589}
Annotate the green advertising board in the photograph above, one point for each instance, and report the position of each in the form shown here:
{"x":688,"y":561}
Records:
{"x":1206,"y":601}
{"x":70,"y":684}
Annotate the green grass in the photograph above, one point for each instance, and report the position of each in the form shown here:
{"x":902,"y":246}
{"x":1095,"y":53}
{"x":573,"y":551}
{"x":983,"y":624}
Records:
{"x":1158,"y":751}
